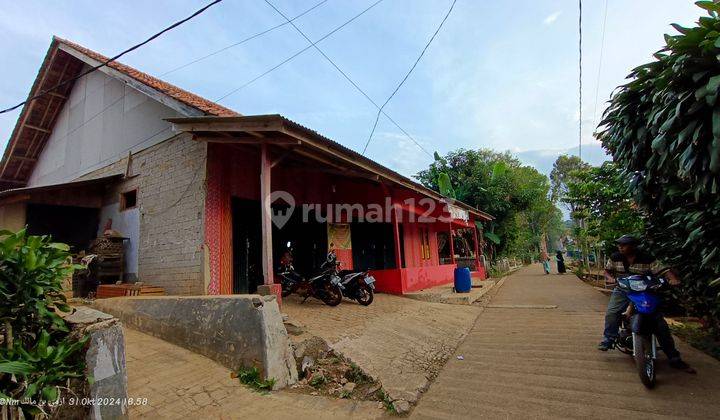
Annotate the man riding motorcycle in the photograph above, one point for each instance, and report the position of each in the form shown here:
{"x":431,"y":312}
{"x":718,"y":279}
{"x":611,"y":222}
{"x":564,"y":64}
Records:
{"x":632,"y":260}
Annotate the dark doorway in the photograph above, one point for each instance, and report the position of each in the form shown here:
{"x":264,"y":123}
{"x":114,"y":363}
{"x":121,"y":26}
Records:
{"x":308,"y":241}
{"x":373,"y":246}
{"x":247,"y":246}
{"x":75,"y":226}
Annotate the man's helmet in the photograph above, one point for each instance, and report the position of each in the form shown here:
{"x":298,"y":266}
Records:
{"x":627,"y":240}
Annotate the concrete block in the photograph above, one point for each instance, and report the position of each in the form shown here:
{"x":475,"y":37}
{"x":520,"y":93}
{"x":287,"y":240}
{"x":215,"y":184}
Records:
{"x":235,"y":331}
{"x":104,"y":361}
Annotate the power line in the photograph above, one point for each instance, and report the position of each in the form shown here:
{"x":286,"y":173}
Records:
{"x":263,"y":32}
{"x":602,"y":45}
{"x":407,"y":75}
{"x":287,"y":60}
{"x":580,"y":78}
{"x":105,"y":63}
{"x":345,"y":75}
{"x":251,"y":37}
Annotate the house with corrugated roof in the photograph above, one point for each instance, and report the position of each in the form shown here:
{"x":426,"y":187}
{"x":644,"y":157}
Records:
{"x":206,"y":200}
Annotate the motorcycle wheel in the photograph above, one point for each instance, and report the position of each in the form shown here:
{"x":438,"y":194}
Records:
{"x":285,"y":292}
{"x":332,"y":295}
{"x":365,"y":295}
{"x":644,"y":361}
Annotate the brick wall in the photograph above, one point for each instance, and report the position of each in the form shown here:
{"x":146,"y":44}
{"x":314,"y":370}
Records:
{"x":170,"y":182}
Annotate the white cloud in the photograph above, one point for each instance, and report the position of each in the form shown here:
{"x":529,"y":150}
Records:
{"x":551,"y":18}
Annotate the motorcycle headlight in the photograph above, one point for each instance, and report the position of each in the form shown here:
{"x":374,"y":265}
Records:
{"x":335,"y":280}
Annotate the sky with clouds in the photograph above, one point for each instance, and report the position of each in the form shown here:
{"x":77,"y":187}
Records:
{"x":499,"y":75}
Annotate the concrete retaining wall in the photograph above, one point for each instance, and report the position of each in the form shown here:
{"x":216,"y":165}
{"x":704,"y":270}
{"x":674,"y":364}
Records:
{"x":104,"y":361}
{"x":236,"y":331}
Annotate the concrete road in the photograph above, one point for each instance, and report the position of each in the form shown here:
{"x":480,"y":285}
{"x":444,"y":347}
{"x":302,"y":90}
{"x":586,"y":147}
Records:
{"x":531,"y":363}
{"x":402,"y":342}
{"x":180,"y":384}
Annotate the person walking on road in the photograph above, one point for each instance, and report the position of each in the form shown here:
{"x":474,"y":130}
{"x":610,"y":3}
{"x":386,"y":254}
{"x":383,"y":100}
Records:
{"x":560,"y":262}
{"x":545,"y":261}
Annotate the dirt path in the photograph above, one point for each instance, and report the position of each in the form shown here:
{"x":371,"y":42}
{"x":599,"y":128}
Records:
{"x":525,"y":362}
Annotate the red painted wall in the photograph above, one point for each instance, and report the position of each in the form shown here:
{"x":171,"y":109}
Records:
{"x":234,"y":171}
{"x":412,"y":279}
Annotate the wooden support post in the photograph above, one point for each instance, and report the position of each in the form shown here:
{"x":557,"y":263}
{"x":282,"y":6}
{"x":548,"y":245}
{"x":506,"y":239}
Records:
{"x":396,"y":236}
{"x":266,"y":219}
{"x":477,"y":248}
{"x":268,"y":287}
{"x":452,"y":245}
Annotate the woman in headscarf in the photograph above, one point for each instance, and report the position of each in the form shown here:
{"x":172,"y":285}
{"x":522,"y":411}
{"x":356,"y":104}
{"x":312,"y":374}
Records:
{"x":545,"y":261}
{"x":560,"y":262}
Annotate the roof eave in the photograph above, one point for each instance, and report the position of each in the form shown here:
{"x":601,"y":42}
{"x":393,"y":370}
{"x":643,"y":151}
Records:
{"x":287,"y":126}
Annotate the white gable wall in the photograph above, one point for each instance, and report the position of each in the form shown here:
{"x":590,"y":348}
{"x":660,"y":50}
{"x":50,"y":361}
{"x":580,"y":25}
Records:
{"x":100,"y":122}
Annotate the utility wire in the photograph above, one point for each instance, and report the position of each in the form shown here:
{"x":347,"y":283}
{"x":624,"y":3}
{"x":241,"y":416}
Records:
{"x":287,"y":60}
{"x":251,"y":37}
{"x":580,"y":78}
{"x":102,"y":111}
{"x":602,"y":45}
{"x":105,"y":63}
{"x":427,"y":45}
{"x":345,"y":75}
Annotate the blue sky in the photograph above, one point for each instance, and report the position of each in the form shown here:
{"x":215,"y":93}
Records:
{"x":500,"y":74}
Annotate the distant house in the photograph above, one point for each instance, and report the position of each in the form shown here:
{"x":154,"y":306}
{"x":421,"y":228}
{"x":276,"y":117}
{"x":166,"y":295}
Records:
{"x":186,"y":180}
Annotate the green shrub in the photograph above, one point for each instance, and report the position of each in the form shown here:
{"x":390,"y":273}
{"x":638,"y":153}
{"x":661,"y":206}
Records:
{"x":356,"y":375}
{"x":318,"y":381}
{"x":251,"y":377}
{"x":38,"y":355}
{"x":663,"y":129}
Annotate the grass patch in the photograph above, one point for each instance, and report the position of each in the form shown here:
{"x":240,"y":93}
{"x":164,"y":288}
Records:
{"x":355,"y":374}
{"x":251,"y":377}
{"x":693,"y":334}
{"x":385,"y":399}
{"x":318,"y":381}
{"x":497,"y":273}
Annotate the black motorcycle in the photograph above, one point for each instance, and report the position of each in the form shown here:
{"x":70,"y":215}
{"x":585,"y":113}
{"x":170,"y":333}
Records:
{"x":357,"y":285}
{"x":325,"y":285}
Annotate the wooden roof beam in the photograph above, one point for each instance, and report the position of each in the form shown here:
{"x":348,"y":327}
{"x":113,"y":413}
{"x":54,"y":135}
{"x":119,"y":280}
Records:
{"x":246,"y":140}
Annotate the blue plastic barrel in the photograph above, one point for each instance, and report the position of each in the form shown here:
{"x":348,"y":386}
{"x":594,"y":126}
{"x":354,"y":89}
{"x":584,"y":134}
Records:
{"x":463,"y":283}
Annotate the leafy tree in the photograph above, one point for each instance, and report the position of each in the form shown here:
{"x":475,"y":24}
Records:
{"x":516,"y":195}
{"x":562,"y":174}
{"x":601,"y":196}
{"x":664,"y":126}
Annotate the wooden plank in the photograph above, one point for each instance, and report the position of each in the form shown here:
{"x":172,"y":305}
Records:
{"x":24,"y":158}
{"x":230,"y":126}
{"x":13,"y":181}
{"x":246,"y":140}
{"x":39,"y":140}
{"x":27,"y":110}
{"x":57,"y":95}
{"x":43,"y":130}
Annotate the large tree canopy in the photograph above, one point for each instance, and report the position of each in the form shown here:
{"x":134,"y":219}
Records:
{"x":563,"y":173}
{"x":499,"y":184}
{"x":601,"y":196}
{"x":663,"y":127}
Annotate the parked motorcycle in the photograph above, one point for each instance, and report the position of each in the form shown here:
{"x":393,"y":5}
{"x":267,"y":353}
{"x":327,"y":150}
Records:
{"x":357,"y":285}
{"x":637,"y":331}
{"x":325,"y":285}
